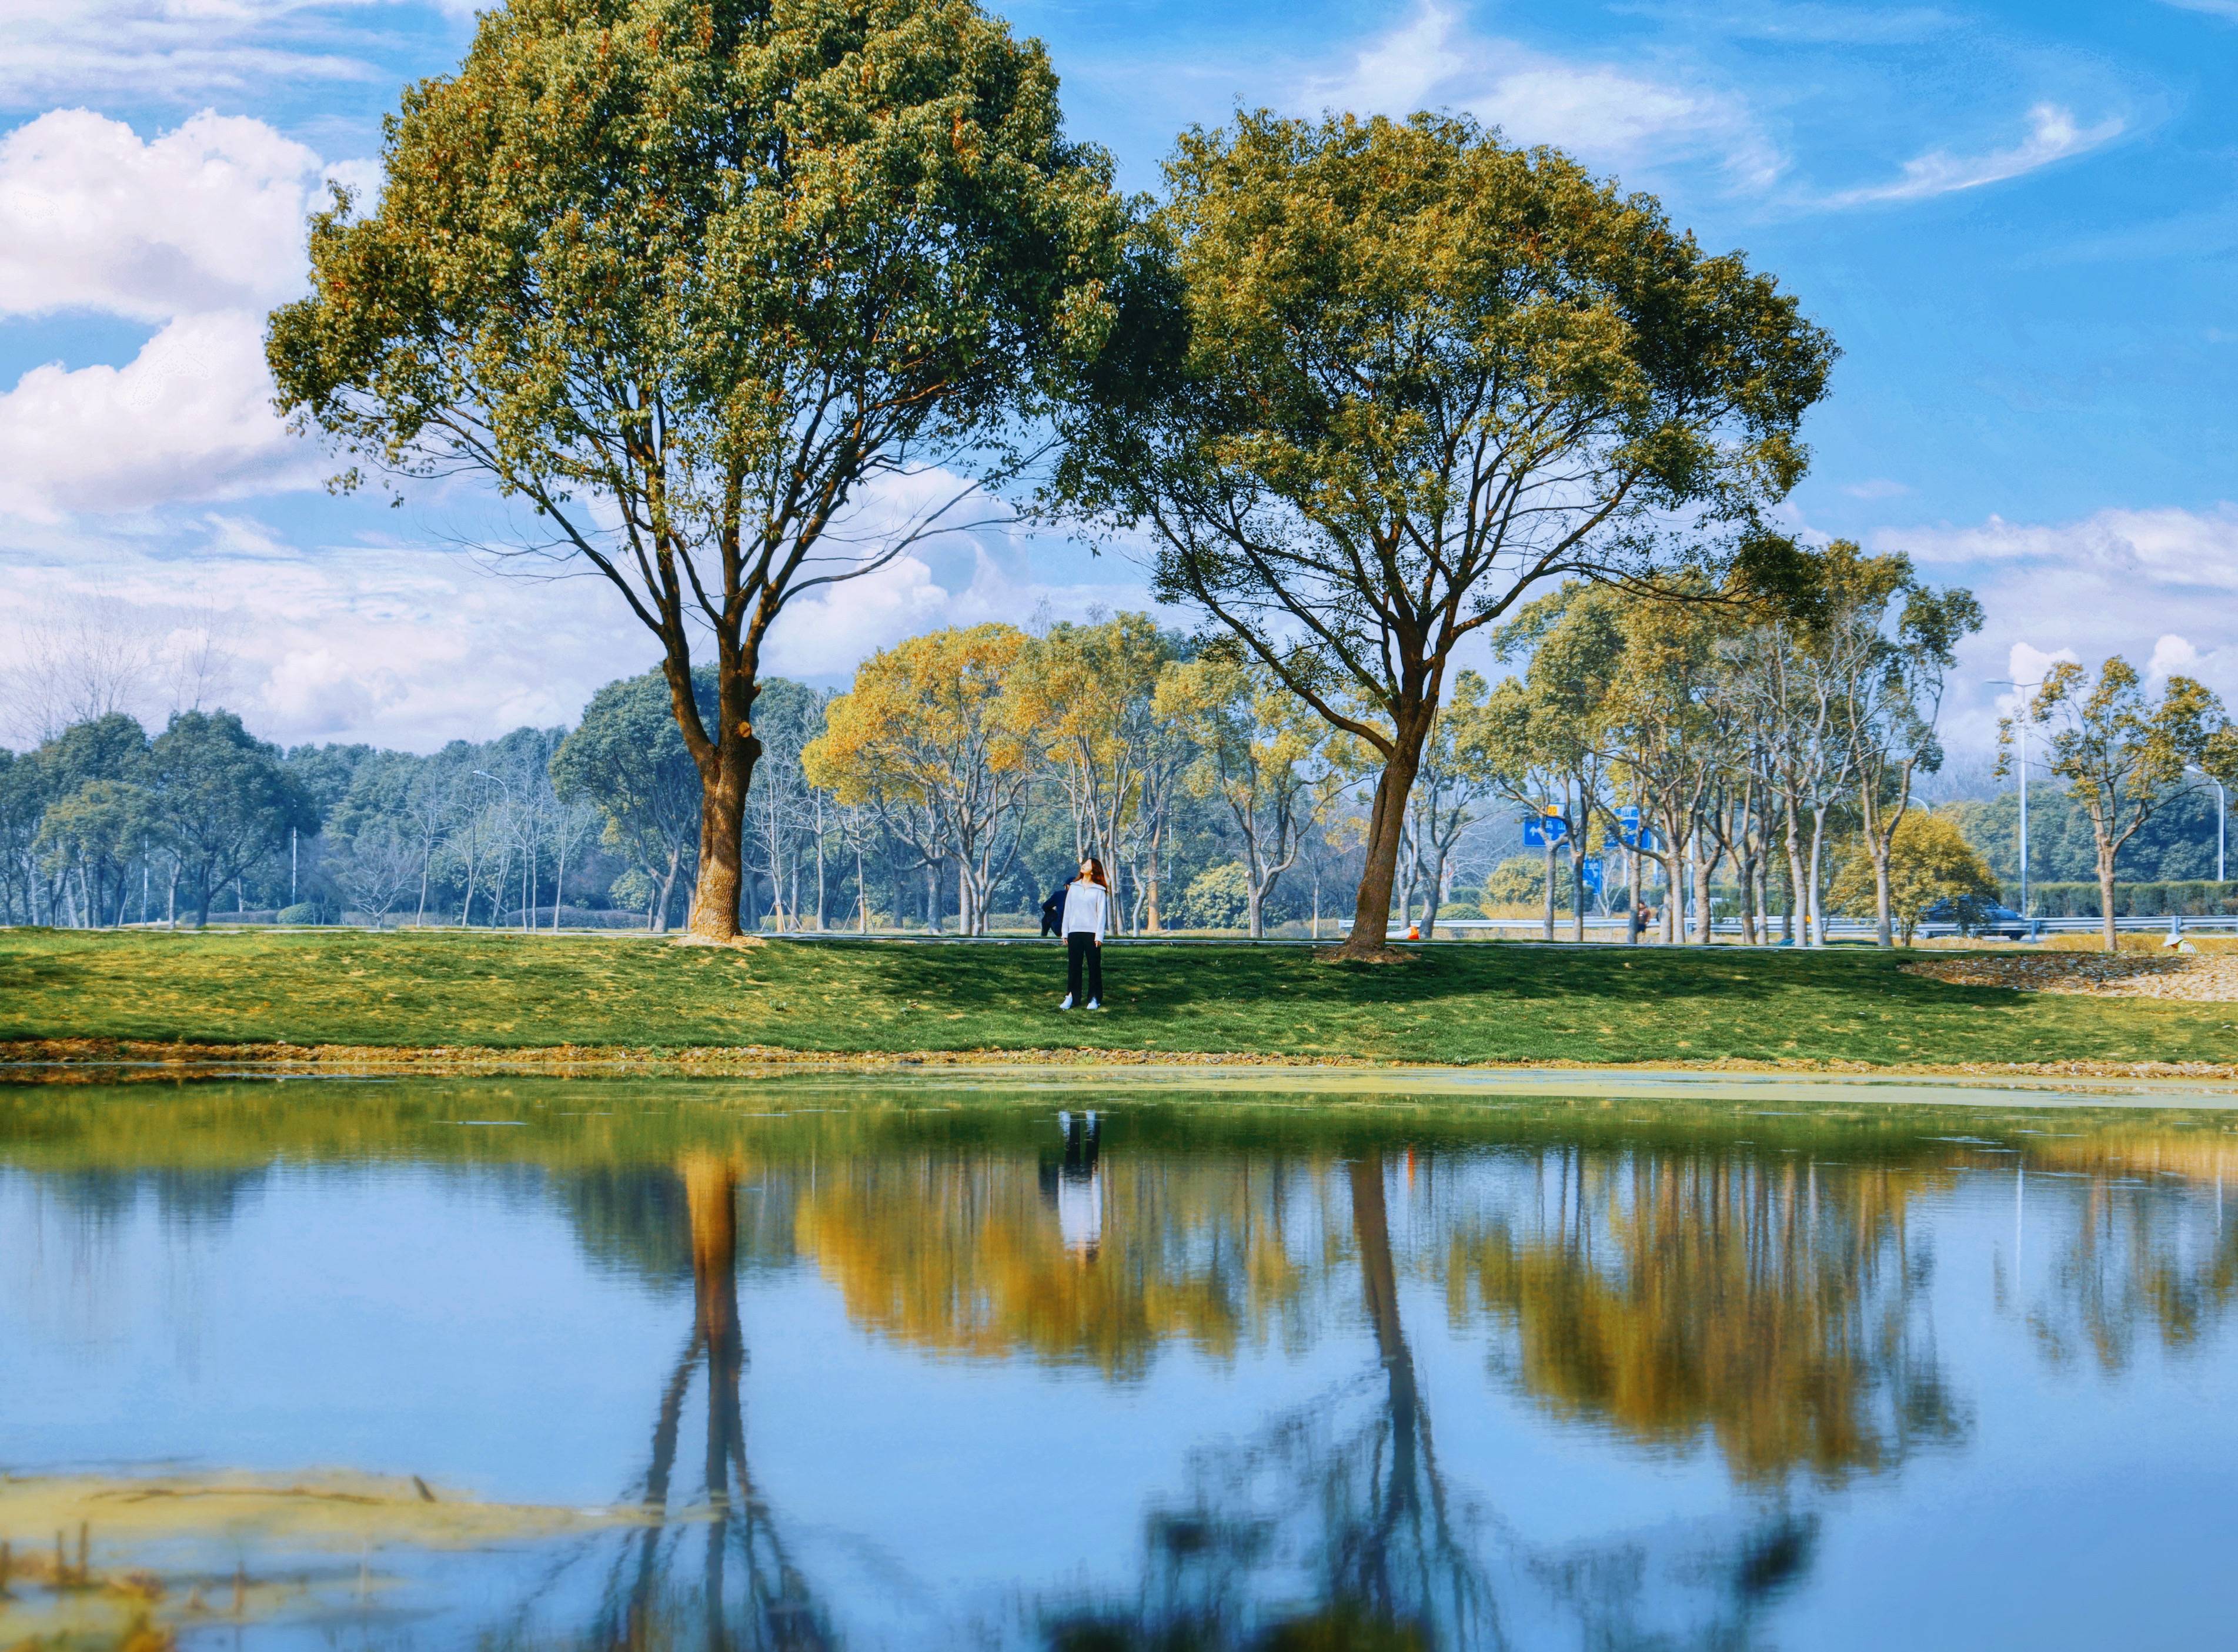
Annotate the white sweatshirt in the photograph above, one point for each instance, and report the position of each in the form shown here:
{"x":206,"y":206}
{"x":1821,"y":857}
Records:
{"x":1085,"y":906}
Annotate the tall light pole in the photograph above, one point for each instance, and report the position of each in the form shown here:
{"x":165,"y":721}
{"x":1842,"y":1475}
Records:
{"x":486,"y":775}
{"x":2022,"y":720}
{"x":2221,"y":822}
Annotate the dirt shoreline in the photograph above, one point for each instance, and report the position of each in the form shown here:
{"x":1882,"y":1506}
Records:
{"x":121,"y":1060}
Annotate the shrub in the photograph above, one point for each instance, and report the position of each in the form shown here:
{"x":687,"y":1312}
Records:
{"x":302,"y":912}
{"x":1930,"y":860}
{"x":1216,"y":898}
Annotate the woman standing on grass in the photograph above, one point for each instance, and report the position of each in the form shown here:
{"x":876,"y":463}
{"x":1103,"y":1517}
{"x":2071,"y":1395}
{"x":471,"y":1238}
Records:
{"x":1087,"y":905}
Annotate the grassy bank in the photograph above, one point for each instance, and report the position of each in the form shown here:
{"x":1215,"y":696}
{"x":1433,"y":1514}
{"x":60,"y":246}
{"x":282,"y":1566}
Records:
{"x":1491,"y":1003}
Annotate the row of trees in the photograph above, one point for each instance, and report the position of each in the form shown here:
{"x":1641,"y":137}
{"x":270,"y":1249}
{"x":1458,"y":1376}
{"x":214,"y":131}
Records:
{"x":1148,"y":759}
{"x":731,"y":306}
{"x":101,"y":817}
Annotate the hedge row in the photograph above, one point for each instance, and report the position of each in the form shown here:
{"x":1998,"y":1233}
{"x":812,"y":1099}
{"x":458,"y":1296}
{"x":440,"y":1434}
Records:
{"x":2192,"y":898}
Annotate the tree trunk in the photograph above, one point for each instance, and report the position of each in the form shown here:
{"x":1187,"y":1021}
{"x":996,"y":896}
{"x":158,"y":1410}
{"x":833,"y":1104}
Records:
{"x":1814,"y":928}
{"x":1548,"y":934}
{"x":2106,"y":900}
{"x":1882,"y":924}
{"x":723,"y":837}
{"x":1387,"y":823}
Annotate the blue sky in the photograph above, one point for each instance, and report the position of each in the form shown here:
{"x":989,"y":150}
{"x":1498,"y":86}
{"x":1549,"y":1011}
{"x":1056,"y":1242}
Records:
{"x":2018,"y":220}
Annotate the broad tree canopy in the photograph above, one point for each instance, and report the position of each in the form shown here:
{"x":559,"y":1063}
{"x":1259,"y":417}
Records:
{"x":689,"y":277}
{"x":1375,"y":380}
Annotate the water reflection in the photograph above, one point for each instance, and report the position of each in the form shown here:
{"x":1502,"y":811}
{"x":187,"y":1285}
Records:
{"x":1666,"y":1293}
{"x":1664,"y":1349}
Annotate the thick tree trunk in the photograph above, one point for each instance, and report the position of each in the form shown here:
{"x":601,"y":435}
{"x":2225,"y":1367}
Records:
{"x":1387,"y":824}
{"x":2105,"y":901}
{"x":722,"y":839}
{"x":1884,"y":922}
{"x":1548,"y":933}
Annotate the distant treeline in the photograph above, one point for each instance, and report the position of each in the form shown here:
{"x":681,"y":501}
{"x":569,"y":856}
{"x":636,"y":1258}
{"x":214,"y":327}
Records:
{"x":593,"y":825}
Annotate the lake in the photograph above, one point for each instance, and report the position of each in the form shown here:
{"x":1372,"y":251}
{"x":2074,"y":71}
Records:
{"x":1076,"y":1362}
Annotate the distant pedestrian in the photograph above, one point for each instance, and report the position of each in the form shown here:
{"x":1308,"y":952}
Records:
{"x":1642,"y":915}
{"x":1053,"y":912}
{"x":1087,"y":909}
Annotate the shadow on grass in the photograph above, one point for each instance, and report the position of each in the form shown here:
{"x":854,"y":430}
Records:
{"x":1160,"y":979}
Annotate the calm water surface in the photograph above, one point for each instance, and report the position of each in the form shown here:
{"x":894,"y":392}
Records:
{"x":806,"y":1363}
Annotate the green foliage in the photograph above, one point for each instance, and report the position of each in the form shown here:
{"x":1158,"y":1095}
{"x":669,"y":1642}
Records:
{"x":716,"y":265}
{"x":2124,"y":754}
{"x":2189,"y":898}
{"x":225,"y":800}
{"x":1930,"y":860}
{"x":1360,"y":345}
{"x":627,"y":758}
{"x":1217,"y":898}
{"x":1520,"y":880}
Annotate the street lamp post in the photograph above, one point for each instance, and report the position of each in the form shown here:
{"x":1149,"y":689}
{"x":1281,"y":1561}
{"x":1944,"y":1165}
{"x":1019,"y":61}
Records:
{"x":486,"y":775}
{"x":2221,"y":823}
{"x":2022,"y":720}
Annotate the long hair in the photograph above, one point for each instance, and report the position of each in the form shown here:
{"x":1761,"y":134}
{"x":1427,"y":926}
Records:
{"x":1096,"y":874}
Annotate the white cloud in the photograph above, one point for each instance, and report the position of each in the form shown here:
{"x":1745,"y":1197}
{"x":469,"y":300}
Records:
{"x":410,"y":645}
{"x":2084,"y":591}
{"x":2212,"y":8}
{"x":1605,"y":113}
{"x":1879,"y":487}
{"x":2164,"y":550}
{"x":198,"y":231}
{"x":2172,"y":654}
{"x":190,"y":417}
{"x":2053,"y":135}
{"x":210,"y":216}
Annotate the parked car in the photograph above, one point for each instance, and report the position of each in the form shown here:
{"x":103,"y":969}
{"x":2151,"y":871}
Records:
{"x":1968,"y":916}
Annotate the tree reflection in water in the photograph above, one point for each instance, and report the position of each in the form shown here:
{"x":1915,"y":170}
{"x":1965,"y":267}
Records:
{"x":1657,"y":1283}
{"x":1770,"y":1304}
{"x":747,"y":1593}
{"x":1334,"y":1526}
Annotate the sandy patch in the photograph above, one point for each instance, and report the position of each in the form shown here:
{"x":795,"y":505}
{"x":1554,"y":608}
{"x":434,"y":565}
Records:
{"x":2207,"y":978}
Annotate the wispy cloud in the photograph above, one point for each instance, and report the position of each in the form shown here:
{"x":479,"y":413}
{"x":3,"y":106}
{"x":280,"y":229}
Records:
{"x":61,"y":51}
{"x":2054,"y":134}
{"x":2212,"y":8}
{"x":1610,"y":114}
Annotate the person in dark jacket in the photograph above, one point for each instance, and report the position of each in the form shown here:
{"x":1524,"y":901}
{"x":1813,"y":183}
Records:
{"x":1053,"y":913}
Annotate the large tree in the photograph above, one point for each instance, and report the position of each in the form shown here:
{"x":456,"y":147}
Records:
{"x":2125,"y":755}
{"x":1375,"y":380}
{"x":223,"y":801}
{"x":926,"y":737}
{"x":692,"y":279}
{"x":627,"y":758}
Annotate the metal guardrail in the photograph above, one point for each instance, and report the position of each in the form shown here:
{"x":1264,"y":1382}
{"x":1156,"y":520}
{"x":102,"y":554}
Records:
{"x":1851,"y":928}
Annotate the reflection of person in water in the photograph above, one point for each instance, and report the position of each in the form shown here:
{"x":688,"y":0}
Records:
{"x":1074,"y":1186}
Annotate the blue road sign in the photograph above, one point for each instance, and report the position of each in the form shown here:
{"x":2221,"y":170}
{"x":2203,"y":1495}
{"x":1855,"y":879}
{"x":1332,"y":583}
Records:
{"x":1589,"y":869}
{"x":1629,"y":834}
{"x":1543,"y":831}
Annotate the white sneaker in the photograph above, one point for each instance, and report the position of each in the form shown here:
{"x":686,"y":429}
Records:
{"x":1093,"y":1003}
{"x":1068,"y":1003}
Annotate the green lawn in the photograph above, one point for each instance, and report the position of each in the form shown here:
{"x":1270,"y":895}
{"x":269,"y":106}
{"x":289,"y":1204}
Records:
{"x":1488,"y":1002}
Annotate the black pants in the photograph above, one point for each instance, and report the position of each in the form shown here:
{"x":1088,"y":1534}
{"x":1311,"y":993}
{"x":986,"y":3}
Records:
{"x":1080,"y":944}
